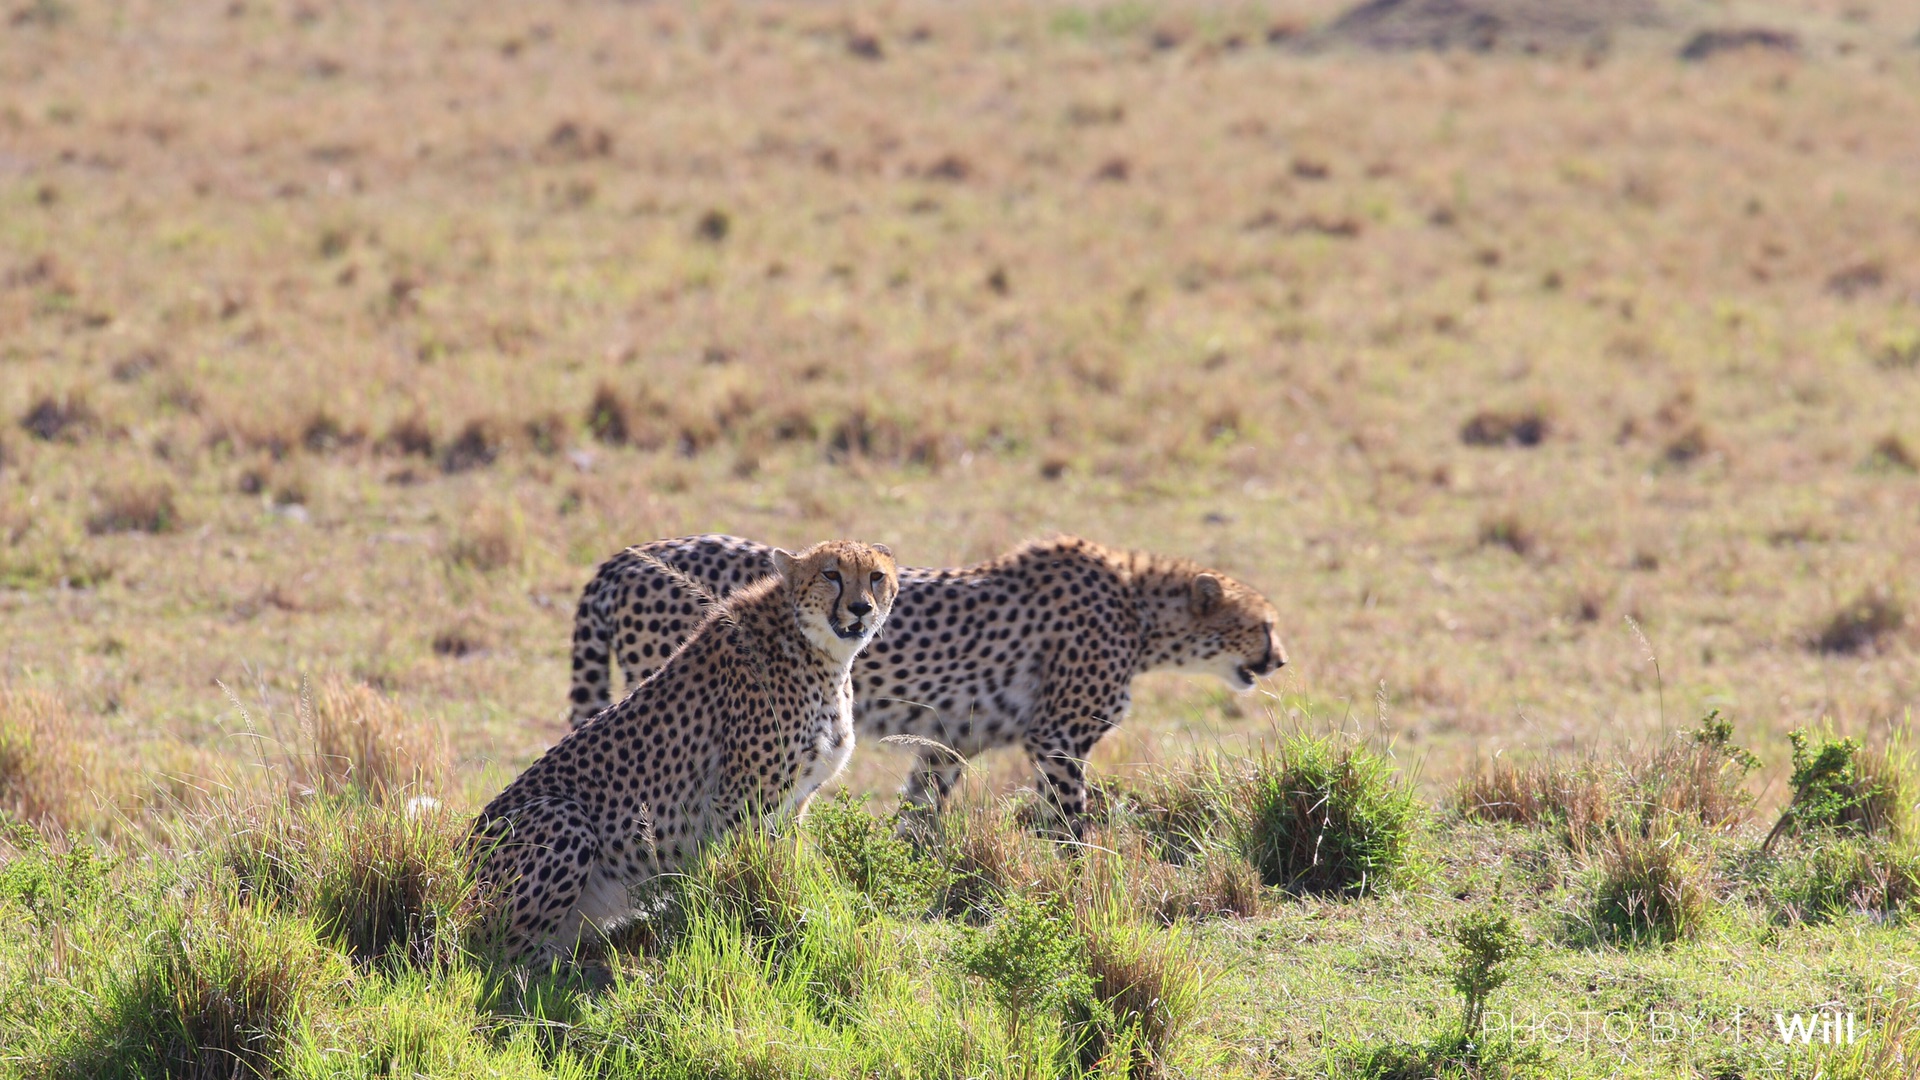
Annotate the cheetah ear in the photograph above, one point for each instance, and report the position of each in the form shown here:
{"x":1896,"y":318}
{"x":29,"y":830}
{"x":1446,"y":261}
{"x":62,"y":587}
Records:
{"x":882,"y":549}
{"x":1208,"y":594}
{"x":783,"y":563}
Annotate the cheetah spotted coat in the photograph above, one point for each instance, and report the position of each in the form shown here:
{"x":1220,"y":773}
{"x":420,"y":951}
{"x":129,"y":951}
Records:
{"x":744,"y":723}
{"x":1037,"y":648}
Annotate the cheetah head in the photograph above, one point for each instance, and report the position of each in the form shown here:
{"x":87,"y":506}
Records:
{"x":842,"y":591}
{"x":1229,"y":631}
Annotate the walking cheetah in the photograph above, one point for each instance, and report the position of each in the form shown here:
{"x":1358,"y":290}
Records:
{"x":1038,"y":647}
{"x":738,"y":727}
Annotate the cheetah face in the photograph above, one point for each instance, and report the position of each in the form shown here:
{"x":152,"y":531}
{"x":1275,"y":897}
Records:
{"x":842,"y":592}
{"x":1232,"y":632}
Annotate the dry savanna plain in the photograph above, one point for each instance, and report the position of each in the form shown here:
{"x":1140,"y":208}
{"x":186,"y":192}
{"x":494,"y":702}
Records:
{"x":1553,"y":367}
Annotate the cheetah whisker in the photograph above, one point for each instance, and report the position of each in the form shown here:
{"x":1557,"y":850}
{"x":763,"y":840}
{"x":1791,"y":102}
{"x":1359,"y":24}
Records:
{"x":908,"y":701}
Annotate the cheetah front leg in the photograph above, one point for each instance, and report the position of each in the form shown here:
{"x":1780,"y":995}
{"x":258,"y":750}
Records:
{"x":1061,"y":739}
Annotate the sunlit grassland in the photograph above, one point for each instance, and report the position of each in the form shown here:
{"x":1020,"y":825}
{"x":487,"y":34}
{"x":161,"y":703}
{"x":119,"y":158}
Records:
{"x":906,"y":298}
{"x":1554,"y":399}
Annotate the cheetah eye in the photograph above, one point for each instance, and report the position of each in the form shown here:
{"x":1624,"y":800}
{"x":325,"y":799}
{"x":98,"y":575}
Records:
{"x":876,"y":577}
{"x":831,"y":575}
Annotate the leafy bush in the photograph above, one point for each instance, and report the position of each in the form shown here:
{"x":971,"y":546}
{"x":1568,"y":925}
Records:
{"x":1034,"y":962}
{"x":1838,"y":786}
{"x":52,"y":882}
{"x":1485,"y":941}
{"x":1319,"y":818}
{"x":870,"y":856}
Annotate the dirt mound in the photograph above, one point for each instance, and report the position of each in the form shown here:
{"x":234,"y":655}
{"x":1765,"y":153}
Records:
{"x":1486,"y":25}
{"x":1708,"y":43}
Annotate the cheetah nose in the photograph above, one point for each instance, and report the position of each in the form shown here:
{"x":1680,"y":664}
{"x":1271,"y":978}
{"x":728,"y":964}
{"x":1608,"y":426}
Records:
{"x":859,"y":607}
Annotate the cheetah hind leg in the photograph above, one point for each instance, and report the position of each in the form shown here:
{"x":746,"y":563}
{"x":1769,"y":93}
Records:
{"x":935,"y":774}
{"x":547,"y":920}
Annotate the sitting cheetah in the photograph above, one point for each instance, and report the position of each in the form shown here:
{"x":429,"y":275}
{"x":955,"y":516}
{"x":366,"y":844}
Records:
{"x":740,"y":726}
{"x":1038,"y":647}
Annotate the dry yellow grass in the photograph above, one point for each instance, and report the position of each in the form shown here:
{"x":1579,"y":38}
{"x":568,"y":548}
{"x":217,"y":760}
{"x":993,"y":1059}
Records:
{"x":354,"y":739}
{"x":51,"y":774}
{"x":414,"y":314}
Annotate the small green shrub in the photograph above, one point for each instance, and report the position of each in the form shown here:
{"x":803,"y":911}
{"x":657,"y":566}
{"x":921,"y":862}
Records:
{"x":1321,"y":818}
{"x":870,"y":856}
{"x":1034,"y":962}
{"x":1029,"y":956}
{"x":1651,"y":888}
{"x":1839,"y":786}
{"x":1485,"y":942}
{"x":52,"y":882}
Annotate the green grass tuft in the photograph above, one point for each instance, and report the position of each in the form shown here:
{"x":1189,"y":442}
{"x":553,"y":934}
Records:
{"x":1845,"y":875}
{"x":378,"y":882}
{"x":1318,"y":817}
{"x":1652,"y":888}
{"x":215,"y":990}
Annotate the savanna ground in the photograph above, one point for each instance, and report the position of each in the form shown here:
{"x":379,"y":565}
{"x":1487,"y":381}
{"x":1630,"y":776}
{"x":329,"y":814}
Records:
{"x":1556,"y":388}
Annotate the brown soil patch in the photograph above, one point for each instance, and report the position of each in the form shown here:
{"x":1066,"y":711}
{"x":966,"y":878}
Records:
{"x":1486,"y":25}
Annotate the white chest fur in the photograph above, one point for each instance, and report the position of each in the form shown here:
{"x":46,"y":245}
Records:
{"x":829,"y":747}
